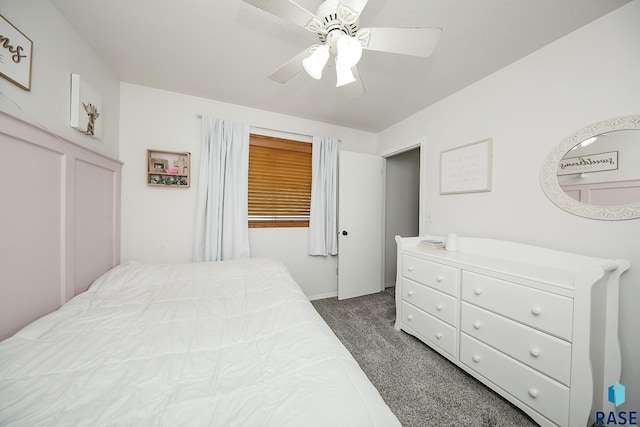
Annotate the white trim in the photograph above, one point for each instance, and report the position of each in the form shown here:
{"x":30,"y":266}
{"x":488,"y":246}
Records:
{"x":383,"y":246}
{"x":323,"y":296}
{"x":403,"y":147}
{"x":411,"y":145}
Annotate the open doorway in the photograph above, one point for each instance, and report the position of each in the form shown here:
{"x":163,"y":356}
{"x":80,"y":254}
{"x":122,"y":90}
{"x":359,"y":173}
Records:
{"x":402,"y":205}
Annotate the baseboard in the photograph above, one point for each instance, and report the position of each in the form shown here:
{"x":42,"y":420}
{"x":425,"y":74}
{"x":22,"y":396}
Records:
{"x":323,"y":296}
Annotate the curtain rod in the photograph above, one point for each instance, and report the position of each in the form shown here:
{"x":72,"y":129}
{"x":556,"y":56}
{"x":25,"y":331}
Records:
{"x":199,"y":116}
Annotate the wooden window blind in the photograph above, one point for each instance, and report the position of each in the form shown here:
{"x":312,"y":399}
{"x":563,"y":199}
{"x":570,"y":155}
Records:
{"x":279,"y":182}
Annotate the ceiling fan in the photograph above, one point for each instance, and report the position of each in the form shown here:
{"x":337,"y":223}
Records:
{"x":337,"y":25}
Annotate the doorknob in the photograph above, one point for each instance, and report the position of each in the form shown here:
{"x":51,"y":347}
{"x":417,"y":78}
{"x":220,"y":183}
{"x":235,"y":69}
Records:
{"x":344,"y":232}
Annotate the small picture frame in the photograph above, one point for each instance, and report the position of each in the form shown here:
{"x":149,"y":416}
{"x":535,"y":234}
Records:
{"x":86,"y":108}
{"x":158,"y":165}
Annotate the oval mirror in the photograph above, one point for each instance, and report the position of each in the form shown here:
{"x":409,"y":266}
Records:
{"x":595,"y":172}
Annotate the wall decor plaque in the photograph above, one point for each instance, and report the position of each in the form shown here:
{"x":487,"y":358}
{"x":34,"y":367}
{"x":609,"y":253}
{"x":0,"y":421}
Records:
{"x":16,"y":51}
{"x":588,"y":163}
{"x":466,"y":169}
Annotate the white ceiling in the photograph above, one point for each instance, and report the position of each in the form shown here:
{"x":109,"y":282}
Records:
{"x":224,"y":49}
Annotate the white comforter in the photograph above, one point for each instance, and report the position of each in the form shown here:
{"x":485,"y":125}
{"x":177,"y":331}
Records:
{"x":232,"y":343}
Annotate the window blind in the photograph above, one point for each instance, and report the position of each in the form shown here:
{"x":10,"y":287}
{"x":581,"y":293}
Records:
{"x":279,"y":182}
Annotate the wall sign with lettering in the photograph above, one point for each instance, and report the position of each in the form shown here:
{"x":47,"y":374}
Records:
{"x":466,"y":169}
{"x":16,"y":50}
{"x":588,"y":163}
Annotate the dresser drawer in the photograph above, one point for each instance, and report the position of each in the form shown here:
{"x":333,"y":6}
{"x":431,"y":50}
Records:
{"x":431,"y":329}
{"x":541,"y":393}
{"x":438,"y":276}
{"x":539,"y":309}
{"x":440,"y":305}
{"x":547,"y":354}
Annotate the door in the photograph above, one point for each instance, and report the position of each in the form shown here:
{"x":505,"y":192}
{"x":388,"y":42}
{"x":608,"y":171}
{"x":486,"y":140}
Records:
{"x":359,"y":224}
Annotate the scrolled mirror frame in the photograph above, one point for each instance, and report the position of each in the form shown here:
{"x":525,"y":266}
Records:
{"x":549,"y":179}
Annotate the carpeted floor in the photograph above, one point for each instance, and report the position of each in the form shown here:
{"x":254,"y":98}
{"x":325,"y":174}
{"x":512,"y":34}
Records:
{"x":421,"y":387}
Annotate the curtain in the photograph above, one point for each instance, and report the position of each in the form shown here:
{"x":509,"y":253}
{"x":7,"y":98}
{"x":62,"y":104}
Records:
{"x":222,"y":227}
{"x":323,"y":219}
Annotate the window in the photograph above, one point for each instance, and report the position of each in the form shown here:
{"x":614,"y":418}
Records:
{"x":279,"y":182}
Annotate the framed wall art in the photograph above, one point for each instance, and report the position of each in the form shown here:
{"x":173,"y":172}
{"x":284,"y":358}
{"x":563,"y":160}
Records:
{"x":16,"y":51}
{"x":466,"y":169}
{"x":158,"y":165}
{"x":86,"y":108}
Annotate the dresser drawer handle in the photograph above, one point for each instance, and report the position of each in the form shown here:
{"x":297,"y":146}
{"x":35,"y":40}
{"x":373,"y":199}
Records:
{"x":411,"y":269}
{"x":476,"y":325}
{"x":439,"y":307}
{"x":534,"y":352}
{"x":476,"y":358}
{"x":439,"y":279}
{"x":533,"y":392}
{"x":439,"y":335}
{"x":410,"y":317}
{"x":477,"y":291}
{"x":536,"y":311}
{"x":410,"y":293}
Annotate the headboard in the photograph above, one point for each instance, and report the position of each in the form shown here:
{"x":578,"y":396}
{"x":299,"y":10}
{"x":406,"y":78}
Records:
{"x":59,"y":221}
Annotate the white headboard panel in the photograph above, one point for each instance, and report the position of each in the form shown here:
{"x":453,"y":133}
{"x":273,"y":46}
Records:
{"x":59,"y":221}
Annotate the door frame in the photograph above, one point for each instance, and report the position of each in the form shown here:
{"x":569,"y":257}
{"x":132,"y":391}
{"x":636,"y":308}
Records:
{"x":416,"y":143}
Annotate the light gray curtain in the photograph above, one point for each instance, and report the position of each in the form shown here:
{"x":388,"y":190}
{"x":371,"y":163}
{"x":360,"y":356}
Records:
{"x":221,"y":228}
{"x":323,"y":221}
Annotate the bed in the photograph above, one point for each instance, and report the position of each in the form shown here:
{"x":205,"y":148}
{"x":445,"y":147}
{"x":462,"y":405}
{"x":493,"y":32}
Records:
{"x":204,"y":344}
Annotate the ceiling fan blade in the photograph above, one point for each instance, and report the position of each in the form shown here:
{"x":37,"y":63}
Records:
{"x":285,"y":9}
{"x":406,"y":41}
{"x":355,"y":5}
{"x":291,"y":68}
{"x":355,"y":89}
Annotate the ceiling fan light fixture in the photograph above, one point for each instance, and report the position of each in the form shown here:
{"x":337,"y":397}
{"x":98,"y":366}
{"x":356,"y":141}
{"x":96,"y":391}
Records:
{"x":344,"y":75}
{"x":349,"y":51}
{"x":337,"y":25}
{"x":314,"y":64}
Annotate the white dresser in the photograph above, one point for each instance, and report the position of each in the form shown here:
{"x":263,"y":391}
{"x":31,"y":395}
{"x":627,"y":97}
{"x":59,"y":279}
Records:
{"x":524,"y":320}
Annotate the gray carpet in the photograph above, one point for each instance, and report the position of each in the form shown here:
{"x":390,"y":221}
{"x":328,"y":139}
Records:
{"x":421,"y":387}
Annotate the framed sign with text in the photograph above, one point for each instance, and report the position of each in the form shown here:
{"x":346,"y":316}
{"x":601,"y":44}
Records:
{"x":588,"y":163}
{"x":16,"y":51}
{"x":466,"y":169}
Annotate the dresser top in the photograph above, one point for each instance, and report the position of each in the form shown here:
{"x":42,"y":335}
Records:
{"x":544,"y":265}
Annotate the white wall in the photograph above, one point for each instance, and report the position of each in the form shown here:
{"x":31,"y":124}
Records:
{"x":58,"y":51}
{"x":157,"y":222}
{"x":528,"y":108}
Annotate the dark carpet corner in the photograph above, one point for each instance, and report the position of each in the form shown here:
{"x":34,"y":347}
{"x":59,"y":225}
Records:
{"x":421,"y":387}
